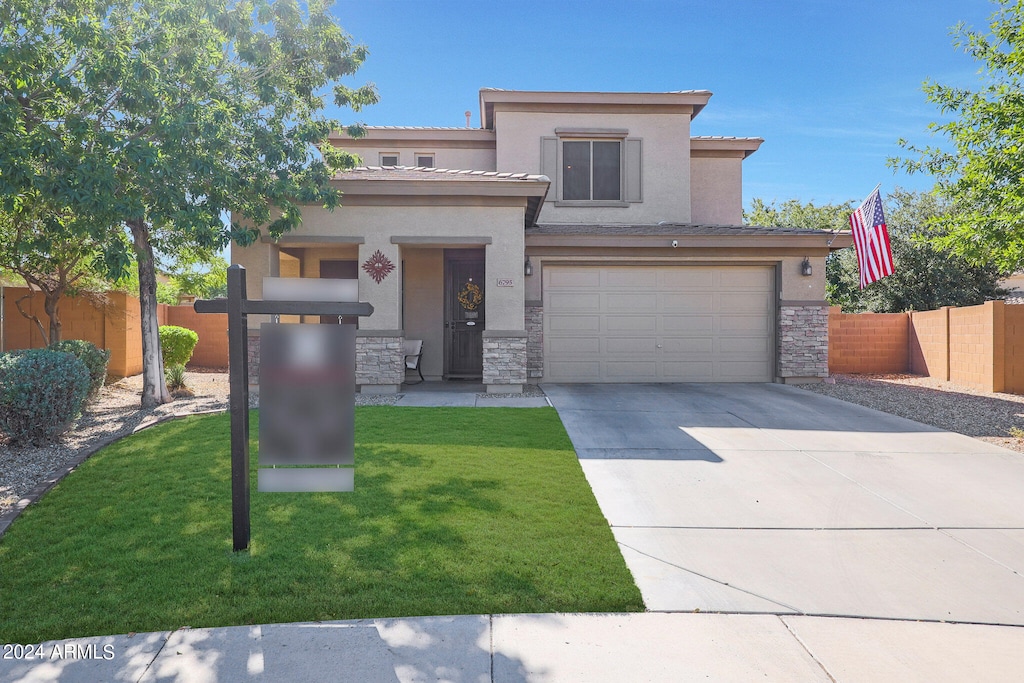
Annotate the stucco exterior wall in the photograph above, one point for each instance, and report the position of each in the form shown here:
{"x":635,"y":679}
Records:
{"x":472,"y":159}
{"x":375,"y":226}
{"x":424,"y":306}
{"x":716,"y":190}
{"x":665,"y":162}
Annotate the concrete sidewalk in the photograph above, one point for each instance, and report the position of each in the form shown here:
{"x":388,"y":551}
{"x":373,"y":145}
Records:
{"x":545,"y":647}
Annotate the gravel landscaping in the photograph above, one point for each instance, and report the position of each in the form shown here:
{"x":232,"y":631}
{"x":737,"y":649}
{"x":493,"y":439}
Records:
{"x":995,"y":418}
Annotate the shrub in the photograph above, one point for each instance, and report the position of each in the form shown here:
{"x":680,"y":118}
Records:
{"x":42,"y":391}
{"x":176,"y":377}
{"x":177,"y":343}
{"x":95,"y":360}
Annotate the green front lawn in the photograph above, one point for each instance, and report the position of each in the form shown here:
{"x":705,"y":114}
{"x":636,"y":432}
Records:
{"x":456,"y":511}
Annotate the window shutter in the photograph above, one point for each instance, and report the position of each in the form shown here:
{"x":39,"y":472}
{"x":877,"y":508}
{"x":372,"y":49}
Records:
{"x":634,"y":175}
{"x":549,"y":165}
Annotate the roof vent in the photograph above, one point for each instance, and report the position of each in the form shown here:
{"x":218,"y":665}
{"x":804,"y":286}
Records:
{"x":469,"y":115}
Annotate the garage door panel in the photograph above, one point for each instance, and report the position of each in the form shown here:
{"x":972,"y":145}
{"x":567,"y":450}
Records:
{"x":658,"y":323}
{"x":637,"y":324}
{"x":688,"y":325}
{"x":746,"y":302}
{"x":757,"y":279}
{"x":574,"y":346}
{"x":688,"y":303}
{"x":574,"y":323}
{"x":686,"y":278}
{"x":573,"y":277}
{"x":573,"y":371}
{"x":631,"y":371}
{"x":680,"y":345}
{"x":756,"y":347}
{"x":630,"y":346}
{"x":574,"y":302}
{"x":629,"y":278}
{"x":625,"y":303}
{"x":741,"y":324}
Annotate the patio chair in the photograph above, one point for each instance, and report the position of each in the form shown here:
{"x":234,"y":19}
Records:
{"x":413,"y":351}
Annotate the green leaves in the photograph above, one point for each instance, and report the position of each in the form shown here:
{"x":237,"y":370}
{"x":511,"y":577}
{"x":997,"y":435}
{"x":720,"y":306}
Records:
{"x":173,"y":111}
{"x":928,"y":274}
{"x":981,"y":170}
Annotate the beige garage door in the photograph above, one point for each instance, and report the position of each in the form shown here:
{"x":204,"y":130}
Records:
{"x":658,"y":323}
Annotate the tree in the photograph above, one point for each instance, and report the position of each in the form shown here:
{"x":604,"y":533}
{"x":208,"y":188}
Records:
{"x":206,"y":280}
{"x":982,"y":174}
{"x":926,"y":276}
{"x":51,"y":253}
{"x":161,"y":116}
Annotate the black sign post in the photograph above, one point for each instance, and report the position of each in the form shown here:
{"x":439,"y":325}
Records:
{"x":238,"y":307}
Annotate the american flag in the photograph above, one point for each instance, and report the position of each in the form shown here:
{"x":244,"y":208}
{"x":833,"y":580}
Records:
{"x":871,"y":239}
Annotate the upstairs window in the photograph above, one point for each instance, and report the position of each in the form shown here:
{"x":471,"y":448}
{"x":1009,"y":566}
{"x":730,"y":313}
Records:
{"x":591,"y":170}
{"x":389,"y":158}
{"x":593,"y":167}
{"x":425,"y":160}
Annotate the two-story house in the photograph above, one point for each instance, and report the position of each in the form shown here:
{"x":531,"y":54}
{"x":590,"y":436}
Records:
{"x":572,"y":237}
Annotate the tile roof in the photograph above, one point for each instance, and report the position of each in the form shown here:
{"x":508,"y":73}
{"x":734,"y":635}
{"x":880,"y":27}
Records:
{"x":432,"y":174}
{"x":726,"y":137}
{"x":421,"y":128}
{"x":666,"y":228}
{"x":611,"y":92}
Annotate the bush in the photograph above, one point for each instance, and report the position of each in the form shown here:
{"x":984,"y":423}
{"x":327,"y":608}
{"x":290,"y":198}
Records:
{"x":42,"y":391}
{"x":175,"y":377}
{"x":95,"y":360}
{"x":177,"y":343}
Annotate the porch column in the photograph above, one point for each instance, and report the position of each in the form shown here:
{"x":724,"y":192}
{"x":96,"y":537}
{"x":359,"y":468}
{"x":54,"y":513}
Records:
{"x":504,"y":339}
{"x":379,"y":363}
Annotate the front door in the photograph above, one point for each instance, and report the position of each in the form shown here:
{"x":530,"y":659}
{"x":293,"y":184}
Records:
{"x":463,"y":313}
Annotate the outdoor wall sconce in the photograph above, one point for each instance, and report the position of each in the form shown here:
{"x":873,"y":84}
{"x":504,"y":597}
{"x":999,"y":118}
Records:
{"x":528,"y":267}
{"x":805,"y":267}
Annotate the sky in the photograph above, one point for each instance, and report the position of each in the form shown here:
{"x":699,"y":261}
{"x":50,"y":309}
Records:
{"x":830,"y":85}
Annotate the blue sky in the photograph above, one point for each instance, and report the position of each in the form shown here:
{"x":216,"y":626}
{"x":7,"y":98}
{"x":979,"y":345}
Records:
{"x":829,"y":84}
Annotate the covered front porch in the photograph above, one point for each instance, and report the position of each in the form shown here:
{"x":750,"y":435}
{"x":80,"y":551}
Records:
{"x":441,"y":261}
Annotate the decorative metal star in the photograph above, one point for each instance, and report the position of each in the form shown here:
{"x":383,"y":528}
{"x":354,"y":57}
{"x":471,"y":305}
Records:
{"x":378,"y":266}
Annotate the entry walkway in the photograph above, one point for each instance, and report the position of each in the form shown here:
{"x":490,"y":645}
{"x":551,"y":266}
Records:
{"x":454,"y":394}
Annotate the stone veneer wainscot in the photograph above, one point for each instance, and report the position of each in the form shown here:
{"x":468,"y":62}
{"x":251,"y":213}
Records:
{"x":534,"y":342}
{"x":505,"y":360}
{"x":803,"y":340}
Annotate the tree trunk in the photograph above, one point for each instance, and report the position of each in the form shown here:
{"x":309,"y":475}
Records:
{"x":154,"y":386}
{"x":51,"y":305}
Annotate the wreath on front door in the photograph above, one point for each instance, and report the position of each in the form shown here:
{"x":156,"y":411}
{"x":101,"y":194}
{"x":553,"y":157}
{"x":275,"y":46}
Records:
{"x":470,"y":296}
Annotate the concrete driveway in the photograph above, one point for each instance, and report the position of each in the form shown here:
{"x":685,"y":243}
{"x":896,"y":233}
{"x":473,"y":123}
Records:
{"x":763,"y":498}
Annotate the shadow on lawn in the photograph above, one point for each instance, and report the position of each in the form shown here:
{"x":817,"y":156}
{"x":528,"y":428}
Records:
{"x":139,"y":538}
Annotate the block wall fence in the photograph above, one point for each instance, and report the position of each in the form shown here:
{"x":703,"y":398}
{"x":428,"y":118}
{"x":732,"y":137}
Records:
{"x":976,"y":346}
{"x":112,"y":323}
